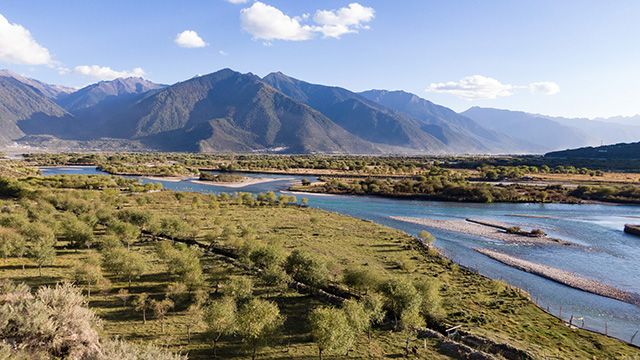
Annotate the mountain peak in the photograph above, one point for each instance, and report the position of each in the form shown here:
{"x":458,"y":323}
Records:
{"x":50,"y":91}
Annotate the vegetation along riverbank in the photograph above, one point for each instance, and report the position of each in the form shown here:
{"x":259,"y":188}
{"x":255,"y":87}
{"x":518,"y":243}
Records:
{"x":203,"y":274}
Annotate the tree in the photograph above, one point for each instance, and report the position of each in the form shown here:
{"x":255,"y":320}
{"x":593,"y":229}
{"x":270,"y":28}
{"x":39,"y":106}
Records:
{"x":142,"y":303}
{"x":125,"y":231}
{"x":307,"y":268}
{"x":431,"y":306}
{"x":400,"y":297}
{"x":220,"y":318}
{"x":373,"y":304}
{"x":8,"y":238}
{"x":160,"y":309}
{"x":194,"y":319}
{"x":240,"y":288}
{"x":104,"y":285}
{"x":330,"y":330}
{"x":123,"y":295}
{"x":426,"y":236}
{"x":177,"y":292}
{"x":267,"y":257}
{"x":78,"y":233}
{"x":361,"y":279}
{"x":89,"y":271}
{"x":42,"y":241}
{"x":258,"y":321}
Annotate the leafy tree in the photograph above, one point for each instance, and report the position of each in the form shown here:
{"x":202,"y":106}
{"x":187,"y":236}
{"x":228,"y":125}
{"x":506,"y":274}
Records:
{"x":173,"y":227}
{"x":8,"y":240}
{"x":194,"y":319}
{"x":431,"y":306}
{"x":177,"y":292}
{"x":123,"y":295}
{"x":240,"y":288}
{"x":89,"y":271}
{"x":258,"y":321}
{"x":42,"y":241}
{"x":104,"y":285}
{"x":125,"y":231}
{"x":401,"y":298}
{"x":307,"y":268}
{"x":78,"y":233}
{"x":426,"y":236}
{"x":142,"y":303}
{"x":220,"y":318}
{"x":160,"y":309}
{"x":361,"y":279}
{"x":267,"y":257}
{"x":331,"y":330}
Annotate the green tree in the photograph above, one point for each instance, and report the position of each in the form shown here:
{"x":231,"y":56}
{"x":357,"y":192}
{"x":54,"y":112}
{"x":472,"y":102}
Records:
{"x":123,"y":295}
{"x":125,"y":231}
{"x":220,"y":318}
{"x":426,"y":236}
{"x":307,"y":268}
{"x":41,"y":247}
{"x":160,"y":309}
{"x":330,"y":330}
{"x":401,"y":298}
{"x":193,"y":319}
{"x":267,"y":257}
{"x":142,"y":303}
{"x":8,"y":240}
{"x":361,"y":279}
{"x":88,"y":271}
{"x":258,"y":321}
{"x":78,"y":233}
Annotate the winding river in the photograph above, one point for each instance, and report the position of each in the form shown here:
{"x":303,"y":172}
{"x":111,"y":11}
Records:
{"x":607,"y":255}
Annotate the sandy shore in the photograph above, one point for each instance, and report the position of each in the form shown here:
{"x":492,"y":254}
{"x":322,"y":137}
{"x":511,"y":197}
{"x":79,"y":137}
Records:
{"x":246,"y":182}
{"x":563,"y":277}
{"x":168,"y":178}
{"x":489,"y":232}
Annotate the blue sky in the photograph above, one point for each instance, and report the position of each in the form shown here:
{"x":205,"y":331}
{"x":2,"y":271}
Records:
{"x":558,"y":57}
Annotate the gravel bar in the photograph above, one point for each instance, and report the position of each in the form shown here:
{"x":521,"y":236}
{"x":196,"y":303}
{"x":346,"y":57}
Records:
{"x":486,"y":231}
{"x":563,"y":277}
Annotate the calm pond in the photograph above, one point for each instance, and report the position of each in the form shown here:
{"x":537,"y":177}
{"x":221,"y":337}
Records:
{"x":607,"y":254}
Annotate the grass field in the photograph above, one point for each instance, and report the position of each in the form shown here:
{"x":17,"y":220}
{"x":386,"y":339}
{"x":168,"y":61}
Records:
{"x":484,"y":307}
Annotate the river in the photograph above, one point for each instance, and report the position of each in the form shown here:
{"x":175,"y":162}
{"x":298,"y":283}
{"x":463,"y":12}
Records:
{"x":607,"y":255}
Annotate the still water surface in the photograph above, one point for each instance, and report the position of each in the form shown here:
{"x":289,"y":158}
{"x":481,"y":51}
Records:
{"x":607,"y":254}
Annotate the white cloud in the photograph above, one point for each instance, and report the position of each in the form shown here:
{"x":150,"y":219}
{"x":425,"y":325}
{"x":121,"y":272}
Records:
{"x":63,"y":71}
{"x":473,"y":87}
{"x":189,"y":39}
{"x":268,"y":23}
{"x":223,"y":53}
{"x":544,"y":88}
{"x":335,"y":23}
{"x":482,"y":87}
{"x":238,"y":1}
{"x":106,"y":73}
{"x":17,"y":46}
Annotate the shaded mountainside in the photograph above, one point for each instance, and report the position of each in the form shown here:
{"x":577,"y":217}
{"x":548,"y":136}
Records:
{"x":616,"y":151}
{"x":460,"y":128}
{"x":25,"y":110}
{"x":362,"y":117}
{"x":95,"y":104}
{"x":50,"y":91}
{"x":229,"y":111}
{"x":547,"y":133}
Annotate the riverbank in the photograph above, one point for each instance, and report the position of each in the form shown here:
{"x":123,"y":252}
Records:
{"x":486,"y":231}
{"x":240,"y":184}
{"x":563,"y":277}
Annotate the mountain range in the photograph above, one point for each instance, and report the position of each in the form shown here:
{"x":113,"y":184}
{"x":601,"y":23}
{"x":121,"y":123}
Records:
{"x":227,"y":111}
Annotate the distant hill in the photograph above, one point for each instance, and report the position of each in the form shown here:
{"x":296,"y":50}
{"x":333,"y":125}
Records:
{"x":616,"y":151}
{"x":50,"y":91}
{"x":229,"y":111}
{"x":548,"y":134}
{"x":462,"y":131}
{"x":364,"y":118}
{"x":95,"y":104}
{"x":25,"y":110}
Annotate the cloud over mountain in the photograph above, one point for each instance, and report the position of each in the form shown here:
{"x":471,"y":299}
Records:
{"x":189,"y":39}
{"x":106,"y":73}
{"x":268,"y":23}
{"x":17,"y":46}
{"x":482,"y":87}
